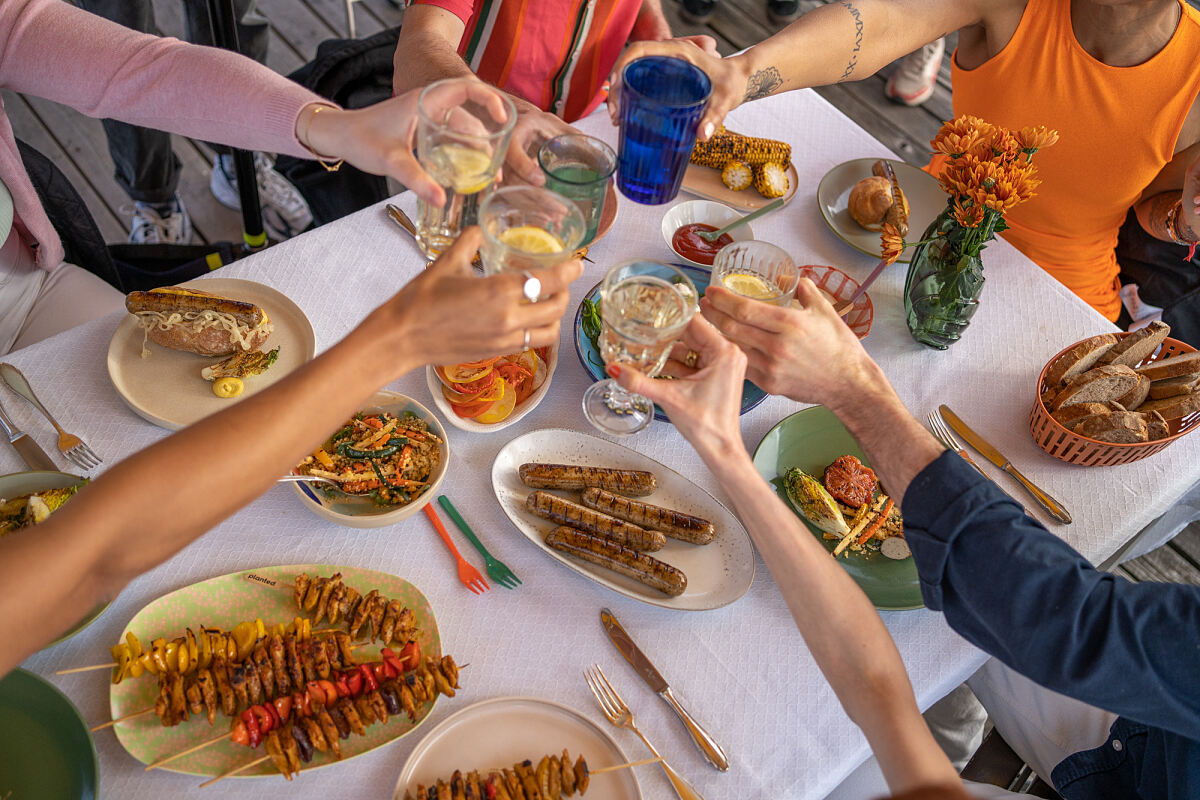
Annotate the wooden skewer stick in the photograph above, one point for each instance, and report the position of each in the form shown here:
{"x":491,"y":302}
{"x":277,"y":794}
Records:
{"x":109,"y":724}
{"x":162,"y":761}
{"x":603,"y":770}
{"x":111,"y":664}
{"x":243,"y":767}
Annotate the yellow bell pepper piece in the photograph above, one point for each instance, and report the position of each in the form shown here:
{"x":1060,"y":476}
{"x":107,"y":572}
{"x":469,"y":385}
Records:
{"x":320,"y":455}
{"x":121,"y":655}
{"x":135,"y":647}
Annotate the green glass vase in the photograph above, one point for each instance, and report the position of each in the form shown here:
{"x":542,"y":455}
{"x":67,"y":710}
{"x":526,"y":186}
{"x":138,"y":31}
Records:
{"x":941,"y":292}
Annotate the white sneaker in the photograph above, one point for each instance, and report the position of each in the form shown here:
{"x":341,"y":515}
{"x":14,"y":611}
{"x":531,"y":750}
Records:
{"x":285,"y":211}
{"x":160,"y":223}
{"x":912,"y":82}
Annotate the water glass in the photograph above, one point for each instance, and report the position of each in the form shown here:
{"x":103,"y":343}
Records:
{"x":644,"y":307}
{"x":661,"y":102}
{"x":463,"y":130}
{"x":527,"y":228}
{"x":757,"y":270}
{"x":580,"y":169}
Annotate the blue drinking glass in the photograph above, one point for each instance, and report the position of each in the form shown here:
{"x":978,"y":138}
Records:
{"x":661,"y":102}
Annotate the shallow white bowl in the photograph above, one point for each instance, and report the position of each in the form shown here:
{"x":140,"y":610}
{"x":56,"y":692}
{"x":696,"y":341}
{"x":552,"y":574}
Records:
{"x":362,"y":512}
{"x":709,"y":213}
{"x":443,"y":405}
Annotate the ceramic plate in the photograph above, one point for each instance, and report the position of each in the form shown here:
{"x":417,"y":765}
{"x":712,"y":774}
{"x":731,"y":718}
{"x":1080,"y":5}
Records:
{"x":166,"y":387}
{"x":500,"y":732}
{"x":519,"y":413}
{"x":608,"y":216}
{"x":47,"y":750}
{"x":925,"y":201}
{"x":363,"y":512}
{"x":222,"y":603}
{"x":717,"y":573}
{"x":811,"y":439}
{"x":19,"y":483}
{"x":706,"y":182}
{"x":589,"y":356}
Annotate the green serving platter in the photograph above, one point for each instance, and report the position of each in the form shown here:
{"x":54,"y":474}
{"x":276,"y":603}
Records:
{"x":45,"y":748}
{"x":811,"y":439}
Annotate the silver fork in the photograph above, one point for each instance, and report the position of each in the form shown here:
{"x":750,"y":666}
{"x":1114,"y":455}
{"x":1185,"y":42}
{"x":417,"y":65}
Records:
{"x":71,"y":446}
{"x":941,"y":432}
{"x":618,"y":714}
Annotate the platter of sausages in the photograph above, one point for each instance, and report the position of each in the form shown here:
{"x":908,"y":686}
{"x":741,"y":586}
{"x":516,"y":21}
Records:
{"x":623,"y":520}
{"x":172,"y":359}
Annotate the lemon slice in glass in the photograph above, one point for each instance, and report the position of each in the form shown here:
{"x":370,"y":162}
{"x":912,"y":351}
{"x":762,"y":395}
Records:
{"x":531,"y":239}
{"x":751,"y":286}
{"x":469,"y":171}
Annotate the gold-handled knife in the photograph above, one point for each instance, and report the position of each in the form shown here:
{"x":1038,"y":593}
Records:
{"x":29,"y":451}
{"x":993,"y":455}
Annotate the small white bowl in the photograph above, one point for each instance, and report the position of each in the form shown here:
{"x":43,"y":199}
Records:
{"x":443,"y":405}
{"x":362,"y":512}
{"x":708,"y":212}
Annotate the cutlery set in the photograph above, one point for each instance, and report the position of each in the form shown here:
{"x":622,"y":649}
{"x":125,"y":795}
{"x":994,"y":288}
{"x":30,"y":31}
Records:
{"x":71,"y":446}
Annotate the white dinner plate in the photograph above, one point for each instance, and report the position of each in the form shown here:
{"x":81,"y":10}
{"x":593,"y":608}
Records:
{"x":499,"y":732}
{"x":925,"y":201}
{"x":166,"y":388}
{"x":463,"y":423}
{"x":717,"y":573}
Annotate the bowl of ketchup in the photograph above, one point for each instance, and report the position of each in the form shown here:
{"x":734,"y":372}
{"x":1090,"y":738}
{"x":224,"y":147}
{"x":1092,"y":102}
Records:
{"x":681,"y":227}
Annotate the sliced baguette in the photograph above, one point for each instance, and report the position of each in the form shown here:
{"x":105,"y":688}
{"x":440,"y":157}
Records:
{"x":1156,"y":426}
{"x":1120,"y":427}
{"x":1172,"y":387}
{"x":1080,"y":358}
{"x":1137,"y":395}
{"x":1173,"y":367}
{"x":1070,"y":416}
{"x":1097,"y":385}
{"x":1135,"y":347}
{"x":1174,"y":407}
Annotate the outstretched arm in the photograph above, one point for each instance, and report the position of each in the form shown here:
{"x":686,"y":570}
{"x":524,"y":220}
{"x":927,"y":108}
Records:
{"x":83,"y":553}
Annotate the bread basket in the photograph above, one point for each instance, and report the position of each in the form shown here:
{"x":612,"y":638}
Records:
{"x":1068,"y":446}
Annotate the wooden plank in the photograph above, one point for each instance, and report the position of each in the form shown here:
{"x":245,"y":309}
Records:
{"x":298,"y":25}
{"x":333,"y":14}
{"x":28,"y":126}
{"x":388,"y":14}
{"x":1163,"y":565}
{"x":1188,"y":544}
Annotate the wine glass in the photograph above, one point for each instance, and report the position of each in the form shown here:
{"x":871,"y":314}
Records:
{"x":757,"y":270}
{"x":644,"y":307}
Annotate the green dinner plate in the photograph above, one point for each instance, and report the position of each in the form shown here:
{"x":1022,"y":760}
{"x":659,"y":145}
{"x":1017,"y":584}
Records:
{"x":46,"y":749}
{"x":811,"y":439}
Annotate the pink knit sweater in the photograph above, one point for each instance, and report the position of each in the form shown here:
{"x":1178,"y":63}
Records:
{"x":51,"y":49}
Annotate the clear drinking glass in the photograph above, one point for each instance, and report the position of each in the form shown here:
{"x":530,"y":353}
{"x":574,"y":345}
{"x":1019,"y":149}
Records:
{"x":461,"y":143}
{"x":758,"y":270}
{"x":579,"y":168}
{"x":527,"y":228}
{"x":661,"y":102}
{"x":644,"y":307}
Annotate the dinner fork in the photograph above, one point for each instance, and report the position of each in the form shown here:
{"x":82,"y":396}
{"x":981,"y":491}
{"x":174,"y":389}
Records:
{"x":466,"y":573}
{"x":941,"y":432}
{"x":71,"y":446}
{"x":496,"y":569}
{"x":618,"y":714}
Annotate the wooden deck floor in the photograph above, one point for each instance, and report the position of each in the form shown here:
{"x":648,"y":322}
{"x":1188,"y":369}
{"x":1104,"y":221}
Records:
{"x":78,"y":146}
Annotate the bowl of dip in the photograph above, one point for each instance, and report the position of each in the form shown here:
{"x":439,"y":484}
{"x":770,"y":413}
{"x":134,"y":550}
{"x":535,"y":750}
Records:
{"x":683,"y":222}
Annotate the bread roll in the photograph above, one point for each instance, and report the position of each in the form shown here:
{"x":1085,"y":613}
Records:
{"x":869,"y":202}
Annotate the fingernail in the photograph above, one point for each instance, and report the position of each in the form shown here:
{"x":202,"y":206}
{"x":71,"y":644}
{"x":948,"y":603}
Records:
{"x":708,"y":130}
{"x":613,"y":370}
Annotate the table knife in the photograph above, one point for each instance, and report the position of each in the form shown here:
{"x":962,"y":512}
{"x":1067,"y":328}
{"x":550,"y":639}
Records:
{"x":33,"y":456}
{"x":993,"y":455}
{"x":637,"y":659}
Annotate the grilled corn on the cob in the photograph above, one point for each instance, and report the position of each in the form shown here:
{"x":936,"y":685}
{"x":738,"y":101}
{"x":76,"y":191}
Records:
{"x":771,"y":180}
{"x":737,"y":175}
{"x":725,"y":145}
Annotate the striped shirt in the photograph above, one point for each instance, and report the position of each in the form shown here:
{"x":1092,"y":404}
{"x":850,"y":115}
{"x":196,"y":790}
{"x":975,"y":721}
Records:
{"x":557,"y":54}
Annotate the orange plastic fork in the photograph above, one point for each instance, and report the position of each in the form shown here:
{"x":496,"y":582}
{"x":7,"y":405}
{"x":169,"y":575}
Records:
{"x":470,"y":576}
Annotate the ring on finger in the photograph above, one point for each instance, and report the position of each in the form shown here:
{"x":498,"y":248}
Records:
{"x":525,"y":341}
{"x":691,"y":358}
{"x":532,"y":288}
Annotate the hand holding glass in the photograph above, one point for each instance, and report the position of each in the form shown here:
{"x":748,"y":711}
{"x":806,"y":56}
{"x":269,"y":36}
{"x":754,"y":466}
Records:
{"x":527,"y":228}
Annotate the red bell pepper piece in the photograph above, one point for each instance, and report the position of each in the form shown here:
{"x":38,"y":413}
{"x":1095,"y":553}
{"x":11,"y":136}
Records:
{"x":343,"y":687}
{"x":252,"y":730}
{"x":239,"y":734}
{"x":410,"y":656}
{"x":302,"y":703}
{"x":283,"y":706}
{"x":355,"y":681}
{"x":368,"y":677}
{"x":276,"y":720}
{"x":316,"y":693}
{"x":330,"y":690}
{"x":263,"y":717}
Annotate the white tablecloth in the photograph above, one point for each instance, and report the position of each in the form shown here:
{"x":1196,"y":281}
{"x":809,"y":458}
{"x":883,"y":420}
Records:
{"x":743,"y":670}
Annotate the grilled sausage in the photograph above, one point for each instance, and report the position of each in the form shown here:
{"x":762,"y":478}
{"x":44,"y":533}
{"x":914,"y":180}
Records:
{"x":626,"y":561}
{"x":673,"y":523}
{"x":173,"y":300}
{"x":629,"y":482}
{"x":565,"y":512}
{"x":897,"y":214}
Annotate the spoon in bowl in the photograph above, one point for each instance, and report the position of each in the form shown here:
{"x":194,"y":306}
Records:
{"x":712,"y":236}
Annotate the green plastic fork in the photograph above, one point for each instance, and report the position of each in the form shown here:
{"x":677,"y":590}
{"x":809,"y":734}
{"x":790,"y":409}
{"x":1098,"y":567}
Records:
{"x":496,"y":569}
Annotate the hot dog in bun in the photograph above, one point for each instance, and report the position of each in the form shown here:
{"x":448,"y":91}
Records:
{"x":199,"y":322}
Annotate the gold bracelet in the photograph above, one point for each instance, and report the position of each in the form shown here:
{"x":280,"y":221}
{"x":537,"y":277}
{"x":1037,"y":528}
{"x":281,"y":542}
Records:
{"x":320,"y":158}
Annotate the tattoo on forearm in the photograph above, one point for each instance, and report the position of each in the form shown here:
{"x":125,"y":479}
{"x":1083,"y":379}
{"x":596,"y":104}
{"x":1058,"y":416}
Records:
{"x":858,"y":37}
{"x":762,"y":83}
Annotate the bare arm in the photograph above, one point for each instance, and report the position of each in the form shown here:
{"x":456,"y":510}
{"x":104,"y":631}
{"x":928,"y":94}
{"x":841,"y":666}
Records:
{"x":1169,"y":189}
{"x":86,"y":553}
{"x":428,"y":48}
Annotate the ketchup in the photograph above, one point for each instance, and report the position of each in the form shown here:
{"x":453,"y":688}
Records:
{"x":687,"y":243}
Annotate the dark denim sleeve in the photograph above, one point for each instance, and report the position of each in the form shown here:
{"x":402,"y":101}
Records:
{"x":1021,"y":594}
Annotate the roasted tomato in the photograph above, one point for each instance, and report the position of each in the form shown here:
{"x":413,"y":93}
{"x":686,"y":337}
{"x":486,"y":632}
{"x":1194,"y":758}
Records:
{"x":849,"y":481}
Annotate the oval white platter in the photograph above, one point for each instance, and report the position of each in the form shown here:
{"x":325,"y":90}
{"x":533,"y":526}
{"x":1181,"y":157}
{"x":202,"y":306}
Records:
{"x":443,"y":405}
{"x":717,"y":574}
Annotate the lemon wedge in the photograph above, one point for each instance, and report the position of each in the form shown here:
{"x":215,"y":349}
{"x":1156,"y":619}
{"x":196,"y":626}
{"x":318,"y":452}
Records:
{"x":750,"y":286}
{"x":469,"y":171}
{"x":502,"y":407}
{"x":531,"y":239}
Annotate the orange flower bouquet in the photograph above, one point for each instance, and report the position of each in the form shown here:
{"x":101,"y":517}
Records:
{"x":989,"y":171}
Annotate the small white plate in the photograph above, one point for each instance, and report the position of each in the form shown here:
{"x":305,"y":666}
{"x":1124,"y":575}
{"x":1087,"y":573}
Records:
{"x":925,"y":201}
{"x":166,"y":388}
{"x":718,"y":573}
{"x":443,"y":405}
{"x":708,"y":212}
{"x":500,"y":732}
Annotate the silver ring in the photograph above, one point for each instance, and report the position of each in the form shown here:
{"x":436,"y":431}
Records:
{"x":532,"y":288}
{"x":525,"y":341}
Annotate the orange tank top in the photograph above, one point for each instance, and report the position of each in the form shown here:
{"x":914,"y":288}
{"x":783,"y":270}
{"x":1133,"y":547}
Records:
{"x":1118,"y":127}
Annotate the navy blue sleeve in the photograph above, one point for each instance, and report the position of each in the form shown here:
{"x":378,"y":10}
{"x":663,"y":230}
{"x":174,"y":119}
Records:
{"x":1021,"y":594}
